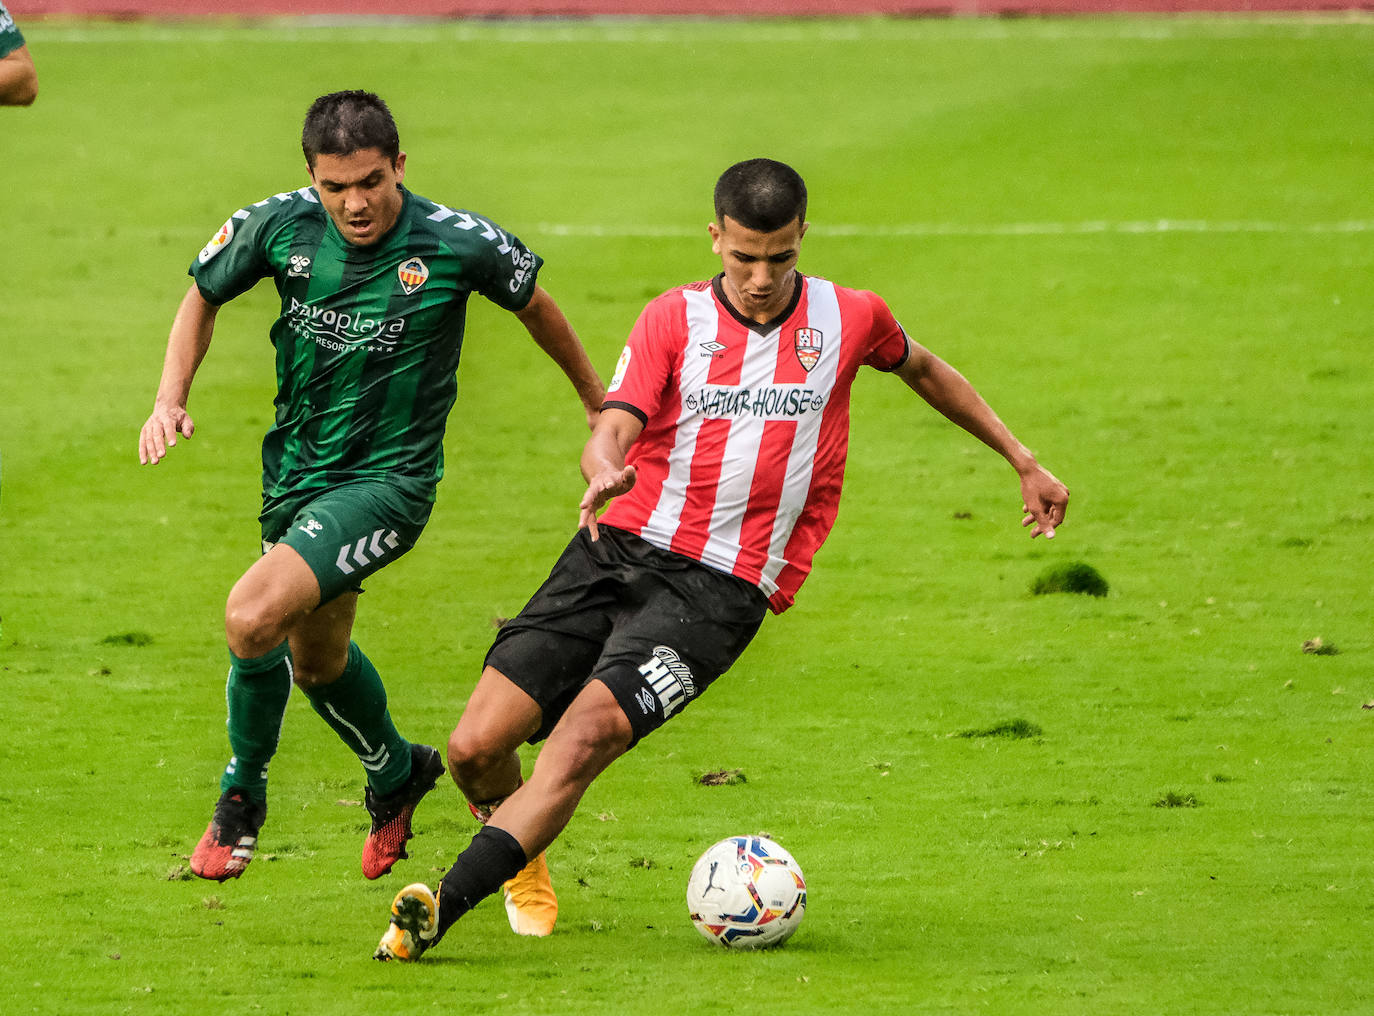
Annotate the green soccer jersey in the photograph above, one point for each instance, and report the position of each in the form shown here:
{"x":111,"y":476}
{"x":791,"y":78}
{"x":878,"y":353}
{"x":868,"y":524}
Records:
{"x":369,"y":337}
{"x":10,"y":36}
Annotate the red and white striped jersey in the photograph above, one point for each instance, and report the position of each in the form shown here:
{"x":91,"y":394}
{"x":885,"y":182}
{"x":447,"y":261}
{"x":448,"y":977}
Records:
{"x":746,"y":426}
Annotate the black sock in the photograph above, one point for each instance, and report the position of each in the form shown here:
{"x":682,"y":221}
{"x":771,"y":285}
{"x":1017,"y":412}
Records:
{"x":493,"y":857}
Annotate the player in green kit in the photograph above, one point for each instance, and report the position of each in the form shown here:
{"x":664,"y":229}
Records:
{"x":18,"y":79}
{"x":374,"y":283}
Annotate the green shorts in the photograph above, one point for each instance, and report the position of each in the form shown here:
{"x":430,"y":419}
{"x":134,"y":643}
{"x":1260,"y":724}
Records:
{"x":348,"y":532}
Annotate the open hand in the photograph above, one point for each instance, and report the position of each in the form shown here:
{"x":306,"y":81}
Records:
{"x":160,"y":432}
{"x":600,"y":489}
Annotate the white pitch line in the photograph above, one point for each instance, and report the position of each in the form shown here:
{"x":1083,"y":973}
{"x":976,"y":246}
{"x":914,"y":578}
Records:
{"x":954,"y":229}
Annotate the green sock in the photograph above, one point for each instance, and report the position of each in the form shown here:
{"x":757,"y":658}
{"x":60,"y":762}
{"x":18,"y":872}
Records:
{"x":355,"y":707}
{"x":256,"y":695}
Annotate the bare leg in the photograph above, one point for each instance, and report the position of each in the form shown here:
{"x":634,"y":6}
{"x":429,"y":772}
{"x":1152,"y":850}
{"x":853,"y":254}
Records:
{"x":483,"y":749}
{"x":592,"y":734}
{"x":272,"y":598}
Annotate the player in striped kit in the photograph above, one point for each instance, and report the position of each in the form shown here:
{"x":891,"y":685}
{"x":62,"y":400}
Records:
{"x":723,"y":442}
{"x":374,"y":283}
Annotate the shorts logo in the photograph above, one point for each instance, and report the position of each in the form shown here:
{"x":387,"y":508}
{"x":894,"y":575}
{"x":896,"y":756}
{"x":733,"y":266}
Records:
{"x":217,"y":242}
{"x":669,"y":679}
{"x":808,"y":343}
{"x":381,"y":543}
{"x":311,"y":527}
{"x":413,"y":273}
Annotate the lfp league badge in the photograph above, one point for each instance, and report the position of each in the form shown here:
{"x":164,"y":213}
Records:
{"x":808,"y":343}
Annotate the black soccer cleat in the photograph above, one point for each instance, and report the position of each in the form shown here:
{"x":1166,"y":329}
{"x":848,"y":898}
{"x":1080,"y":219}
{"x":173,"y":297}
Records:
{"x":231,"y":838}
{"x":386,"y":842}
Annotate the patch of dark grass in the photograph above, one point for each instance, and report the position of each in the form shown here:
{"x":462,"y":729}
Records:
{"x":1173,"y":800}
{"x":128,"y":638}
{"x":722,"y":778}
{"x":1013,"y":729}
{"x":1069,"y":577}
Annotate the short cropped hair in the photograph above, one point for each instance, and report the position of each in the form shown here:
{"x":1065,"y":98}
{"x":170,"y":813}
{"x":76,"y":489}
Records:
{"x":342,"y":123}
{"x":761,"y":194}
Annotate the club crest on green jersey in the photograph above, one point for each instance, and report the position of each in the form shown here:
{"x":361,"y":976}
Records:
{"x":412,"y":272}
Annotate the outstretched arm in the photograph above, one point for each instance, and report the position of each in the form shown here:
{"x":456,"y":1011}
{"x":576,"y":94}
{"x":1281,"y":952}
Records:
{"x":548,"y":326}
{"x":186,"y":347}
{"x":1044,"y":498}
{"x":603,"y":463}
{"x":18,"y":78}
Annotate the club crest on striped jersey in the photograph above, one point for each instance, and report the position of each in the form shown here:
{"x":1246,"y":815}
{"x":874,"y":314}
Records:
{"x":413,"y":273}
{"x":808,"y":343}
{"x":217,"y":242}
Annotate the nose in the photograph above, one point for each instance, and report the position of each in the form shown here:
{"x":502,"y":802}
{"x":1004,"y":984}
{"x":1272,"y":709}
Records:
{"x":355,"y":201}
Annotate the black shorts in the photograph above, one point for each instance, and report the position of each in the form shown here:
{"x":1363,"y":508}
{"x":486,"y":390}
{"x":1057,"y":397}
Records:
{"x":655,"y":628}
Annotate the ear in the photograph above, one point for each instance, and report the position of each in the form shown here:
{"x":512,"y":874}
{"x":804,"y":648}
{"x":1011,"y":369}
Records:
{"x":714,"y":230}
{"x":400,"y":166}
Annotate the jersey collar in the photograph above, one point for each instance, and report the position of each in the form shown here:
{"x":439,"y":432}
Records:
{"x":718,"y":288}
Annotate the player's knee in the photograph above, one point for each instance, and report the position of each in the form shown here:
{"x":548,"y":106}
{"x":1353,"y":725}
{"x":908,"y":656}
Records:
{"x":251,"y":630}
{"x":309,"y":672}
{"x":471,"y":756}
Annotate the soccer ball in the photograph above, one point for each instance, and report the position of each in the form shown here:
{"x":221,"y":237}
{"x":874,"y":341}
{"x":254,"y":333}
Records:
{"x":746,"y":893}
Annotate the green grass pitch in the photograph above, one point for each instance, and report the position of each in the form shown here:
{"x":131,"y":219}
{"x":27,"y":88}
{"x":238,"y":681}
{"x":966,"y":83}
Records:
{"x":1147,"y":242}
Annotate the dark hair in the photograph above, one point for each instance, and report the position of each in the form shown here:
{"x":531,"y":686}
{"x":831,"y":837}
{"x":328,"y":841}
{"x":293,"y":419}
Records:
{"x":761,"y":194}
{"x":342,"y":123}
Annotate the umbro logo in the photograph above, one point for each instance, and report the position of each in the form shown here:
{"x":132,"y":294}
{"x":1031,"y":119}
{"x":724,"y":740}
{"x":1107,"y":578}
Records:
{"x":711,"y":348}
